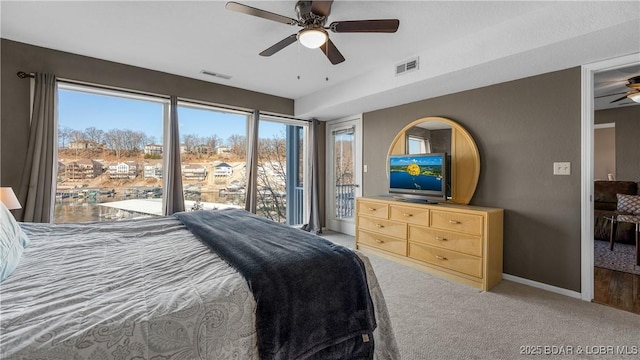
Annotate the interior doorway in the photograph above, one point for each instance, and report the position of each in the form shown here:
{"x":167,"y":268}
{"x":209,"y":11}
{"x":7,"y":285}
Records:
{"x":594,"y":167}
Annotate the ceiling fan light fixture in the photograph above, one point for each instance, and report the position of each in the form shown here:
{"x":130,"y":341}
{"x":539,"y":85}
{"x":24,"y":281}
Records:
{"x":312,"y":38}
{"x":635,"y":97}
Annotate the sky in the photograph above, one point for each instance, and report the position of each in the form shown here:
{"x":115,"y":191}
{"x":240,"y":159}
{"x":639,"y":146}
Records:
{"x":79,"y":110}
{"x":426,"y":159}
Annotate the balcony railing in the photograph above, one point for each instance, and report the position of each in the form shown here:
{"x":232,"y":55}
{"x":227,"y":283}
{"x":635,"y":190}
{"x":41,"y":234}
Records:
{"x":345,"y":200}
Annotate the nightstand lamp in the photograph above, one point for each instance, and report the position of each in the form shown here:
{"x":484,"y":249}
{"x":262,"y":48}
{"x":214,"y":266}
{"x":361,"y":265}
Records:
{"x":9,"y":199}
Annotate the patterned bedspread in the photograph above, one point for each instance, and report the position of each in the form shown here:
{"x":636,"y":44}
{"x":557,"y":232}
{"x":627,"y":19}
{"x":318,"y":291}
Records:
{"x":139,"y":289}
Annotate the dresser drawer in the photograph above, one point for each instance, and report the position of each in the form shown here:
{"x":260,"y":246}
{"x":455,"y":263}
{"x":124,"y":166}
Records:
{"x":412,"y":215}
{"x":465,"y":223}
{"x":387,"y":243}
{"x":467,"y":244}
{"x":384,"y":227}
{"x":373,"y":209}
{"x":463,"y":263}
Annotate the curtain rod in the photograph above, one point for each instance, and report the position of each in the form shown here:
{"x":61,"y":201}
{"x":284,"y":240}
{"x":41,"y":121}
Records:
{"x":24,"y":75}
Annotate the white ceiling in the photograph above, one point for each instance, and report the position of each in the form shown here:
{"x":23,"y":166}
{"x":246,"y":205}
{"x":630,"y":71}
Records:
{"x":461,"y":45}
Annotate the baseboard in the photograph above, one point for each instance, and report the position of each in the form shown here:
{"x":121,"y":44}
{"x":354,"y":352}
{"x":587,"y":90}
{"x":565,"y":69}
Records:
{"x":543,"y":286}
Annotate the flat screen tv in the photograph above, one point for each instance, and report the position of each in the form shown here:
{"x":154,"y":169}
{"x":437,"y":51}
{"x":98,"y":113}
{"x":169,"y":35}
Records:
{"x":420,"y":177}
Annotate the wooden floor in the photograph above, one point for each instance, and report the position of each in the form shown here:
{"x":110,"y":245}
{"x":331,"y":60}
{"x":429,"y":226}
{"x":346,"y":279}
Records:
{"x":617,"y":289}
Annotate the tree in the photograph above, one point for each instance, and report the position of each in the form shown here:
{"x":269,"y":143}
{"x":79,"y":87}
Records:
{"x":272,"y":178}
{"x":64,"y":134}
{"x":344,"y":162}
{"x":136,"y":140}
{"x":77,"y":135}
{"x":114,"y":139}
{"x":189,"y":141}
{"x":238,"y":144}
{"x":94,"y":135}
{"x":213,"y":141}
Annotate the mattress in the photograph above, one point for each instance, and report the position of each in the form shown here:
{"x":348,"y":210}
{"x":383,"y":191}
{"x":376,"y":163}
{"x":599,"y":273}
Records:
{"x":136,"y":289}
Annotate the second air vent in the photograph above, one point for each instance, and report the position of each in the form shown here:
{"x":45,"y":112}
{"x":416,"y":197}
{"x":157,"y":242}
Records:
{"x":408,"y":66}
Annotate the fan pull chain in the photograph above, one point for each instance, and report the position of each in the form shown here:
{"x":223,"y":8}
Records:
{"x":298,"y":47}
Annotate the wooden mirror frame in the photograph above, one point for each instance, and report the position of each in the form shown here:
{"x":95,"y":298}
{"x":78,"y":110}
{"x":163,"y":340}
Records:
{"x":465,"y":158}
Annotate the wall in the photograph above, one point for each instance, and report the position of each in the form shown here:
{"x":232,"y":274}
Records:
{"x":521,"y":127}
{"x":627,"y":120}
{"x":14,"y":114}
{"x":604,"y":153}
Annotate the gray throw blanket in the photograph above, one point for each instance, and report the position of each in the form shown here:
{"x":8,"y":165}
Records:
{"x":311,"y":295}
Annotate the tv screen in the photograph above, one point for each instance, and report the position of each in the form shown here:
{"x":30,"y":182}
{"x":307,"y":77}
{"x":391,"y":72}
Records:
{"x":419,"y":174}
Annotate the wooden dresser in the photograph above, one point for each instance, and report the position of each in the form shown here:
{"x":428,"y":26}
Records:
{"x":458,"y":242}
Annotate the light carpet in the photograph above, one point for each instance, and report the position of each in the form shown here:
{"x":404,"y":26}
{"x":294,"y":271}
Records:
{"x":434,"y":318}
{"x":622,"y":258}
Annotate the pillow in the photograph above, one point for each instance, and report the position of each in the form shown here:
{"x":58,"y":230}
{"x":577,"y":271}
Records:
{"x":12,"y":242}
{"x":629,"y":203}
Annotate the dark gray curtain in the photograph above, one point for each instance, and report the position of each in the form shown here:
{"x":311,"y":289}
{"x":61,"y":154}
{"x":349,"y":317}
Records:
{"x":38,"y":172}
{"x":252,"y":163}
{"x":315,"y":223}
{"x":174,"y":197}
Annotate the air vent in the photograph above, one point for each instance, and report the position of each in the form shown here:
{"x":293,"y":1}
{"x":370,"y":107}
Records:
{"x":211,"y":73}
{"x":406,"y":67}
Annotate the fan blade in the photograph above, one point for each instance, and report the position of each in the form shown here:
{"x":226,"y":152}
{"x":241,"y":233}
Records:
{"x":332,"y":52}
{"x":321,"y":7}
{"x":234,"y":6}
{"x":602,"y":96}
{"x":616,"y":100}
{"x":280,"y":45}
{"x":354,"y":26}
{"x":634,"y":82}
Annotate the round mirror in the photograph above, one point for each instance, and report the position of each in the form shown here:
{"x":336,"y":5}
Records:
{"x":442,"y":135}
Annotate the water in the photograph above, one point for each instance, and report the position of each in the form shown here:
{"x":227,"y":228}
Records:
{"x":73,"y":210}
{"x":403,"y":180}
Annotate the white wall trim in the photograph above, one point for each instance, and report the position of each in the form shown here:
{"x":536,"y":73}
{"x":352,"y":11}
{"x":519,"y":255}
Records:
{"x":587,"y":129}
{"x":604,"y":126}
{"x":543,"y":286}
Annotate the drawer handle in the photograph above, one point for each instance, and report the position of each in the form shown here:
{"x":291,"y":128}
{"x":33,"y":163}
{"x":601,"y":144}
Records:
{"x":454,"y":222}
{"x":441,"y":238}
{"x":440,"y":257}
{"x":407,"y":215}
{"x":379,"y":226}
{"x":372,"y":209}
{"x":379,"y":241}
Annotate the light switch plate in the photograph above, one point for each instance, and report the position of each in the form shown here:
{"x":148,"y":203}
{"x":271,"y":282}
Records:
{"x":561,"y":168}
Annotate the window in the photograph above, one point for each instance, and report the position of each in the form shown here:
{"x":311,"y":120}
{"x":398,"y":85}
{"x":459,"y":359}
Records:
{"x":418,"y":145}
{"x":213,"y":151}
{"x":106,"y":142}
{"x":110,"y":157}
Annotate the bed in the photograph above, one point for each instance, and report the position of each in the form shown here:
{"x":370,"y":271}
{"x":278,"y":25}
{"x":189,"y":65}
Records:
{"x":144,"y":289}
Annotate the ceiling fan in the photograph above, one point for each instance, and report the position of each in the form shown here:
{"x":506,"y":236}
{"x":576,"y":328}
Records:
{"x":634,"y":95}
{"x":312,"y":17}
